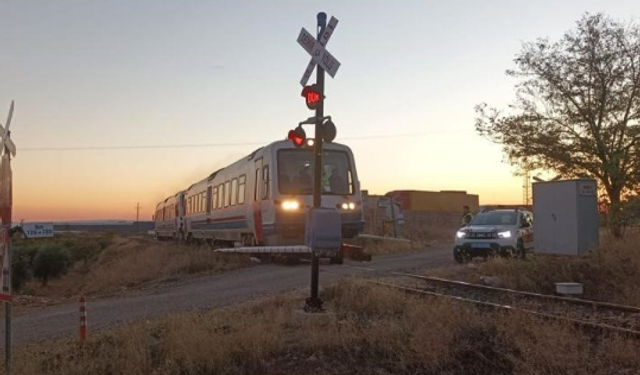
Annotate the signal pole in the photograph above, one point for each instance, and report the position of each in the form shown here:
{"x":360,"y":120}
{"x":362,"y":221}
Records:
{"x":314,"y":303}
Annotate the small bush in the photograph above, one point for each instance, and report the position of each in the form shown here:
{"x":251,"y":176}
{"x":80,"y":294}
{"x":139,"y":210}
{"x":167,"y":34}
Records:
{"x":20,"y":268}
{"x":51,"y":261}
{"x":86,"y":250}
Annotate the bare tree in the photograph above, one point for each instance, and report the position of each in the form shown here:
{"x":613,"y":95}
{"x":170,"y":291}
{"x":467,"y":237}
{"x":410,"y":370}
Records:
{"x":577,"y":107}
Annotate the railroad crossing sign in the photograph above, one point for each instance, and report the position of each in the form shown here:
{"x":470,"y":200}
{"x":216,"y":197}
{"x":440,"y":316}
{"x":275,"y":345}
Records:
{"x":7,"y":143}
{"x":8,"y":147}
{"x":319,"y":55}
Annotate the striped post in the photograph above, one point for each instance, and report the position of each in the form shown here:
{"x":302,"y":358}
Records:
{"x":83,"y":319}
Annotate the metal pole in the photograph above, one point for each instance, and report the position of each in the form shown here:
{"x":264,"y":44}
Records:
{"x":393,"y":217}
{"x":83,"y":319}
{"x":314,"y":303}
{"x":7,"y":330}
{"x":6,"y":223}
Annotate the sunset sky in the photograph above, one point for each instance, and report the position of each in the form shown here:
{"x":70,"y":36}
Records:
{"x":123,"y":102}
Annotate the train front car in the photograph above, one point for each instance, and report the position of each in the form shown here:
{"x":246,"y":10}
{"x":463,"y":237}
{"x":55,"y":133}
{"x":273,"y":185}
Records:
{"x":292,"y":184}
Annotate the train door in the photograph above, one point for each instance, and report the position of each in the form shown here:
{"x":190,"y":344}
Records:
{"x":208,"y":200}
{"x":257,"y":201}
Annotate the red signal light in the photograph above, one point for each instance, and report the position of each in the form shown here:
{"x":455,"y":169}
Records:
{"x":312,"y":96}
{"x":297,"y":136}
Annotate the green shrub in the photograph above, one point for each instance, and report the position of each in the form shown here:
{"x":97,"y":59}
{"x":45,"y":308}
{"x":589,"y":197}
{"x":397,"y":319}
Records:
{"x":85,"y":250}
{"x":20,"y":268}
{"x":50,"y":262}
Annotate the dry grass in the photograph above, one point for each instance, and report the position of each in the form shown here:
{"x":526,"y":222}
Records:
{"x":414,"y":236}
{"x":366,"y":330}
{"x":610,"y":273}
{"x":433,"y":232}
{"x":130,"y":262}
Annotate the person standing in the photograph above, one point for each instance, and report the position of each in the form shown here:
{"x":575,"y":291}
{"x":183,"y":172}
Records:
{"x":466,"y":216}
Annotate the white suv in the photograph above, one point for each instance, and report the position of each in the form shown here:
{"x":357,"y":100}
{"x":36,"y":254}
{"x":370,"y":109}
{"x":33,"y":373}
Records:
{"x":503,"y":232}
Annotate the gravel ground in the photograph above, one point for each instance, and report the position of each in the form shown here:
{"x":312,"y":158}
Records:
{"x":209,"y":292}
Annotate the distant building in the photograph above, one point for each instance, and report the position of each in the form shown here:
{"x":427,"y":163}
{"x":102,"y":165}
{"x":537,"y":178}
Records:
{"x":434,"y":211}
{"x":445,"y":201}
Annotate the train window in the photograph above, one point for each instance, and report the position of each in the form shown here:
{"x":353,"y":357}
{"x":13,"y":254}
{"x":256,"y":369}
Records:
{"x":265,"y":182}
{"x":234,"y":191}
{"x":189,"y":205}
{"x":241,"y":188}
{"x":295,"y":172}
{"x":214,"y":199}
{"x":220,"y":196}
{"x":227,"y":194}
{"x":202,"y":202}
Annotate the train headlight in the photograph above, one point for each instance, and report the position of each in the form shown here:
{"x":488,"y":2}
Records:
{"x":290,"y":205}
{"x":310,"y":142}
{"x":348,"y":206}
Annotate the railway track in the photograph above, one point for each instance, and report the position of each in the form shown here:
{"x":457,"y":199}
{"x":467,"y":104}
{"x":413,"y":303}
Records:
{"x":600,"y":316}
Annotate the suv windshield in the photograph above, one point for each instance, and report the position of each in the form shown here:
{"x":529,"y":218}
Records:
{"x":495,"y":218}
{"x":295,"y":172}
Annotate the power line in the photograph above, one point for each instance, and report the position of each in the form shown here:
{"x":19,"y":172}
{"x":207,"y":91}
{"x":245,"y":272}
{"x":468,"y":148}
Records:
{"x":228,"y":144}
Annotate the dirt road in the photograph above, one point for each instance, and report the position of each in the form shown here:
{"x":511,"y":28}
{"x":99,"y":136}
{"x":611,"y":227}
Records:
{"x":207,"y":292}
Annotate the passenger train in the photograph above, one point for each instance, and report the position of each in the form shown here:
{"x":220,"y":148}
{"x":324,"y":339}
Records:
{"x":262,"y":199}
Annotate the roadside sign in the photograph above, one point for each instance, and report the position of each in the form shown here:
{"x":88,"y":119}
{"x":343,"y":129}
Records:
{"x":37,"y":230}
{"x":319,"y":55}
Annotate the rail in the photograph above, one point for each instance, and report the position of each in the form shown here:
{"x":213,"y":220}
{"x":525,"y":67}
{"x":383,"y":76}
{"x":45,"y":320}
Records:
{"x":600,"y":316}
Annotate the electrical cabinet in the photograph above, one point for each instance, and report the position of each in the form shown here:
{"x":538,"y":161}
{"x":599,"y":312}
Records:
{"x":565,"y":216}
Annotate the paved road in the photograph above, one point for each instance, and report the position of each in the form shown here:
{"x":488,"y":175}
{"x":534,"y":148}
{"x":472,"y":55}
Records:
{"x":207,"y":292}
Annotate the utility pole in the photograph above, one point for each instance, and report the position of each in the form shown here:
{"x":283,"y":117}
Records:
{"x":138,"y":218}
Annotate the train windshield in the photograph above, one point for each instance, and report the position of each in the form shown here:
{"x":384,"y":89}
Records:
{"x":295,"y":172}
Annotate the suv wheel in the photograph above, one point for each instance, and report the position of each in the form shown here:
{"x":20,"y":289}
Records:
{"x":461,"y":256}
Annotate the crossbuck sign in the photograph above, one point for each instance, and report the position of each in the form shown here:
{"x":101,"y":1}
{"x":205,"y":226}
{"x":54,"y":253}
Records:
{"x":319,"y":55}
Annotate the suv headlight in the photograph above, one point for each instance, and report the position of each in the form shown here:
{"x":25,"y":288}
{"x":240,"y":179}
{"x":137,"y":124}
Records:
{"x":505,"y":234}
{"x":461,"y":234}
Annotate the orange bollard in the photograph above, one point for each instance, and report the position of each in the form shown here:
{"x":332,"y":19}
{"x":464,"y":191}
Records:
{"x":83,"y":319}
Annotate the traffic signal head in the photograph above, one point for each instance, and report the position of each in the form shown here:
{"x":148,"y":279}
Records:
{"x":312,"y":96}
{"x":297,"y":136}
{"x":328,"y":131}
